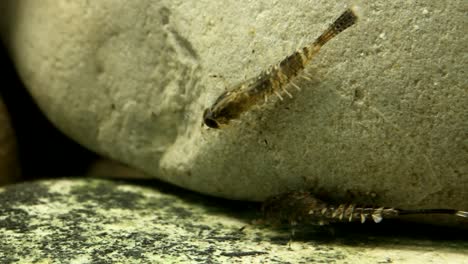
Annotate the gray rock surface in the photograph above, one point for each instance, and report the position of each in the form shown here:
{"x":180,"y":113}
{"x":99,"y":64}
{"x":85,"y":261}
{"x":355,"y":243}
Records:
{"x":9,"y":166}
{"x":99,"y":221}
{"x":385,"y":114}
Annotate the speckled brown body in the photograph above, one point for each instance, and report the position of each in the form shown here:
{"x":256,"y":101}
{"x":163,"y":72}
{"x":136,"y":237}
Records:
{"x":301,"y":207}
{"x":232,"y":103}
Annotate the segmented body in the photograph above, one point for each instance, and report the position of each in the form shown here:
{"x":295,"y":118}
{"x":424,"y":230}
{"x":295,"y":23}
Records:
{"x":302,"y":207}
{"x":232,"y":103}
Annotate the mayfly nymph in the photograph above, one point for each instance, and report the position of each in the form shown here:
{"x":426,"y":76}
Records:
{"x":301,"y":207}
{"x":232,"y":103}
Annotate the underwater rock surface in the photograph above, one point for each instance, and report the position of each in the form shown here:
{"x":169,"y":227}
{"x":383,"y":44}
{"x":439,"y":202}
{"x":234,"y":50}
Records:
{"x":97,"y":221}
{"x":383,"y":117}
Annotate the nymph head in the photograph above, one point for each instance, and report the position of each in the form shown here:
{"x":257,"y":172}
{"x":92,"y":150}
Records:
{"x":226,"y":108}
{"x":209,"y":119}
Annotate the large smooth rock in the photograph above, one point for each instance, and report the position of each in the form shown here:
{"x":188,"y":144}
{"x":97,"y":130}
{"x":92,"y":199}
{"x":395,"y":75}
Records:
{"x":97,"y":221}
{"x":9,"y":165}
{"x":386,"y":114}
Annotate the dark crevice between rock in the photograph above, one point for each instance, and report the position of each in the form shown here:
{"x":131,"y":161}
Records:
{"x":43,"y":150}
